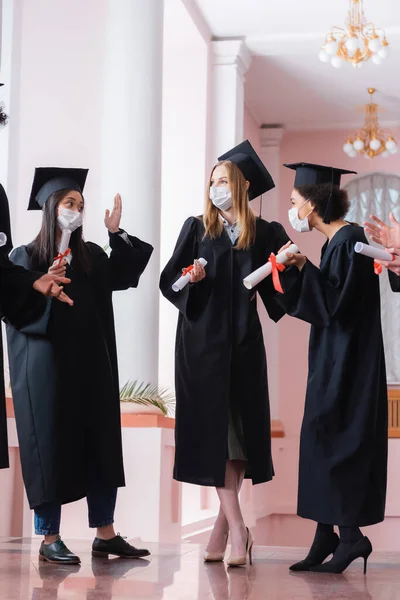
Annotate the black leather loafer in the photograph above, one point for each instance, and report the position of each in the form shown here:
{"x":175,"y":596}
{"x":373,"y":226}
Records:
{"x":117,"y":546}
{"x":58,"y":553}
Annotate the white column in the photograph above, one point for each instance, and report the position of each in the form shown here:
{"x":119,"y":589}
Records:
{"x":270,"y":138}
{"x":230,"y":62}
{"x":131,"y":165}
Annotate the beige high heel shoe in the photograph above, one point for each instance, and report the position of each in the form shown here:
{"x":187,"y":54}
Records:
{"x":215,"y":556}
{"x":241,"y":561}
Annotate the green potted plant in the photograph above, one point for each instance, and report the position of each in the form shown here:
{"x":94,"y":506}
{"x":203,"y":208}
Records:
{"x":147,"y":398}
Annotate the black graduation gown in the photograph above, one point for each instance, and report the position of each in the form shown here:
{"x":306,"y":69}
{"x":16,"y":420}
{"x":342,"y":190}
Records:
{"x":220,"y":361}
{"x":64,"y":379}
{"x":344,"y":435}
{"x":19,"y":303}
{"x":394,"y":281}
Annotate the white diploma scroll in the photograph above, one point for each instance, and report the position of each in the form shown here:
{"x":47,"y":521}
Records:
{"x":64,"y":244}
{"x":184,"y":280}
{"x":254,"y":278}
{"x":372,"y":252}
{"x":3,"y":239}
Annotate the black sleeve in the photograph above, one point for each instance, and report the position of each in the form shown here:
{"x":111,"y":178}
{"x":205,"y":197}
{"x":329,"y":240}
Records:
{"x":187,"y":301}
{"x":265,"y":288}
{"x":126,"y":263}
{"x":20,"y":303}
{"x":317,"y":299}
{"x":394,"y":281}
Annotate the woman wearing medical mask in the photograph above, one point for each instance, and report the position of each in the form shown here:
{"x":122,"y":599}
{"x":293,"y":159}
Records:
{"x":222,"y":407}
{"x":63,"y":368}
{"x":343,"y":444}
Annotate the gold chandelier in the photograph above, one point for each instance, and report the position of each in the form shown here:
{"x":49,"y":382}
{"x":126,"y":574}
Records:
{"x":359,"y":42}
{"x":371,"y":140}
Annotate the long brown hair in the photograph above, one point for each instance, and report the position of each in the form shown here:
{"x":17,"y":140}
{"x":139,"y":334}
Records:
{"x":44,"y":246}
{"x":240,"y":203}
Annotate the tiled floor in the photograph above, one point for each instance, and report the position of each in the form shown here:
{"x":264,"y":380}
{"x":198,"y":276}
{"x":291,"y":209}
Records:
{"x":178,"y":573}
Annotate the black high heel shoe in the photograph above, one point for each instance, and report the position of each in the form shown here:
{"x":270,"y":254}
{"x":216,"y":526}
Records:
{"x":346,"y":553}
{"x":322,"y":547}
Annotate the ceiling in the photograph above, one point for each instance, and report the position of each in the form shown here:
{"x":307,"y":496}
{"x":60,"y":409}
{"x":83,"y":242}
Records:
{"x":286,"y":82}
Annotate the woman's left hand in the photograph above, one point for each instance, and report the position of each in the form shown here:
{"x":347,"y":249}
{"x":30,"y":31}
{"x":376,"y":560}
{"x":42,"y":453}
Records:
{"x":113,"y":219}
{"x":297,"y":260}
{"x":393,"y":265}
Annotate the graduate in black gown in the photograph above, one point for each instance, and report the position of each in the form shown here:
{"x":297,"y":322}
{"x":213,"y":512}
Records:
{"x":64,"y":373}
{"x":222,"y":407}
{"x":389,"y":237}
{"x":344,"y":435}
{"x":21,"y":298}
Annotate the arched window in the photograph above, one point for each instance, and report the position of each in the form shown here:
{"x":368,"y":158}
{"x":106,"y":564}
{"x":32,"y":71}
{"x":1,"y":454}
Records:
{"x":379,"y":194}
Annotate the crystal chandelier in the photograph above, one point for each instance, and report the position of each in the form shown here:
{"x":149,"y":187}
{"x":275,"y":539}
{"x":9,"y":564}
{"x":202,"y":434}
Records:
{"x":371,"y":140}
{"x":358,"y":43}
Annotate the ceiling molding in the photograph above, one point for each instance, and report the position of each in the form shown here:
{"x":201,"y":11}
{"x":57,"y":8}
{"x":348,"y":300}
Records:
{"x":231,"y":52}
{"x":348,"y":127}
{"x":301,"y":43}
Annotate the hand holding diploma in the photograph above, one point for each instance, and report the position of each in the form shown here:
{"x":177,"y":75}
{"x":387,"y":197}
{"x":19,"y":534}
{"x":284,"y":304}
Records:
{"x":293,"y":256}
{"x":192,"y":274}
{"x":394,"y":264}
{"x":274,"y":265}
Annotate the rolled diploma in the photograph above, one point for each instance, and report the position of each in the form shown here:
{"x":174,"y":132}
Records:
{"x":64,"y":244}
{"x":3,"y":239}
{"x":372,"y":252}
{"x":254,"y":278}
{"x":184,"y":280}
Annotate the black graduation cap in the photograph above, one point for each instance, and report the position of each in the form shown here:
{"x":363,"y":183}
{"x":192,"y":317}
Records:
{"x":246,"y":158}
{"x":48,"y":180}
{"x":309,"y":174}
{"x":1,"y":84}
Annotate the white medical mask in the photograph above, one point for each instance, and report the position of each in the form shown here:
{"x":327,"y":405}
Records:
{"x":221,"y":197}
{"x":300,"y":225}
{"x":69,"y":219}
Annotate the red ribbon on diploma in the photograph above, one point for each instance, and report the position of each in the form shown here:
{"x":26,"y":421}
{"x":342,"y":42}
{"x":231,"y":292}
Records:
{"x":276,"y":268}
{"x":378,"y":266}
{"x":60,"y":257}
{"x":187,"y":270}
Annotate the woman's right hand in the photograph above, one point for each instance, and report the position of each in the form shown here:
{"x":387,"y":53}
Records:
{"x":58,"y":270}
{"x":293,"y":259}
{"x":383,"y":234}
{"x":197,"y":273}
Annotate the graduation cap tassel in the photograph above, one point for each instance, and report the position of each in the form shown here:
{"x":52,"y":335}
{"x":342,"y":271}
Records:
{"x":327,"y":216}
{"x":261,"y":199}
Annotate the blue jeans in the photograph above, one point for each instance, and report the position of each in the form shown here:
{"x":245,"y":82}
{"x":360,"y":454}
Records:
{"x":101,"y":507}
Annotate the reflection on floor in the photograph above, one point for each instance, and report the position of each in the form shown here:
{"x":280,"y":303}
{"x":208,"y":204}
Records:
{"x":176,"y":572}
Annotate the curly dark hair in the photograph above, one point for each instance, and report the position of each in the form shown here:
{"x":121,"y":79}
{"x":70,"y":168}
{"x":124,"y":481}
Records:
{"x":319,"y":196}
{"x":3,"y":116}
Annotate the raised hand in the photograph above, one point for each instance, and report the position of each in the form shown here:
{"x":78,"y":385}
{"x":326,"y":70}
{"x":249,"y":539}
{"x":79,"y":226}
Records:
{"x":383,"y":234}
{"x":113,"y":219}
{"x":48,"y":285}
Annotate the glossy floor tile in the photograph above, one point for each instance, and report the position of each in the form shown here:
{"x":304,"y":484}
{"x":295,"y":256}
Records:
{"x":177,"y":572}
